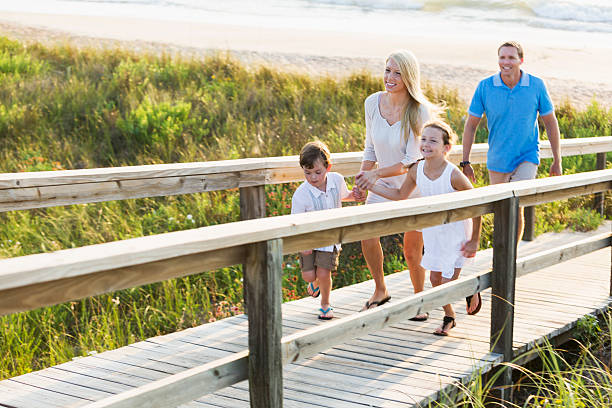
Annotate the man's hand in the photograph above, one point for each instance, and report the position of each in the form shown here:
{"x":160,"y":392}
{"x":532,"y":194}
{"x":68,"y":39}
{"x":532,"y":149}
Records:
{"x":469,"y":248}
{"x":556,"y":169}
{"x":469,"y":172}
{"x":305,"y":253}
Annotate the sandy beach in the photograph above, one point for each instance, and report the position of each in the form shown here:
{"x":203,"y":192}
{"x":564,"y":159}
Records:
{"x":572,"y":71}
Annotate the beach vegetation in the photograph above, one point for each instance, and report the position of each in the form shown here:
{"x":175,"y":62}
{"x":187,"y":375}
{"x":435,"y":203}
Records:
{"x":576,"y":375}
{"x":67,"y":108}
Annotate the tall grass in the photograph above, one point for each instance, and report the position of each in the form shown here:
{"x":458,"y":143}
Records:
{"x":68,"y":108}
{"x":557,"y":378}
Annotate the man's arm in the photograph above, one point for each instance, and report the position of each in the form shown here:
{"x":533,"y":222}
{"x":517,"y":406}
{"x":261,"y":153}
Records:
{"x":469,"y":133}
{"x":554,"y":136}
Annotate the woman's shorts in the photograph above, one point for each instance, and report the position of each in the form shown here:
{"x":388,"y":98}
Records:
{"x":323,"y":259}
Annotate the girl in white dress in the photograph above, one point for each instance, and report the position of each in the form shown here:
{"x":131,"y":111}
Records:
{"x":446,"y":245}
{"x":394,"y":119}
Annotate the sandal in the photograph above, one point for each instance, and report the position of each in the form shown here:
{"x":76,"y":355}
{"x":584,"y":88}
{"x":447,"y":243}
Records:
{"x":326,"y":314}
{"x":445,"y":322}
{"x":468,"y":300}
{"x":312,"y":291}
{"x":420,"y":318}
{"x":375,"y":303}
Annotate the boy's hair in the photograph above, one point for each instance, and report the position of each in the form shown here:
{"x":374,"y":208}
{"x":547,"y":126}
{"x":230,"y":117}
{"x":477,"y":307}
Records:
{"x":514,"y":44}
{"x":448,"y":134}
{"x":313,"y":151}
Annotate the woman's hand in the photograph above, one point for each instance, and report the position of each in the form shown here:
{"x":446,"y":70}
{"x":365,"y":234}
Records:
{"x":366,"y":179}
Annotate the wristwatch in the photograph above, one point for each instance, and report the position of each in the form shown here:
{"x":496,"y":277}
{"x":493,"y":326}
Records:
{"x":464,"y":163}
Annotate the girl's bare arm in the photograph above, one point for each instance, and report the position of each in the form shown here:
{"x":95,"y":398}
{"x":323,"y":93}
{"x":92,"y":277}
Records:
{"x":401,"y":193}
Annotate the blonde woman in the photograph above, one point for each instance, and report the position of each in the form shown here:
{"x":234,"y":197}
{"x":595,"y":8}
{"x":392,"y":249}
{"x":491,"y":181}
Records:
{"x":394,"y":120}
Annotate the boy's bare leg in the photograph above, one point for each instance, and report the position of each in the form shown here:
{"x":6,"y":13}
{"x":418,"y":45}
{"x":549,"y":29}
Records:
{"x":373,"y":254}
{"x":325,"y":284}
{"x":309,"y":276}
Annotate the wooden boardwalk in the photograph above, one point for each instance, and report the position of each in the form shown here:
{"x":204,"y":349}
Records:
{"x":402,"y":366}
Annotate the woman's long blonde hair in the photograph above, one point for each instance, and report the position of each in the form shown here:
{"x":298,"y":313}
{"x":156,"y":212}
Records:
{"x":412,"y":117}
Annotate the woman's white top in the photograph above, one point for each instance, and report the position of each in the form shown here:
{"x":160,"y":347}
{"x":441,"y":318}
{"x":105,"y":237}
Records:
{"x":385,"y":144}
{"x":442,"y":242}
{"x":309,"y":198}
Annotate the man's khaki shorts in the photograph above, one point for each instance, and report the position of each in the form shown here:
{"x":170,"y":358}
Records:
{"x":323,"y":259}
{"x":524,"y":171}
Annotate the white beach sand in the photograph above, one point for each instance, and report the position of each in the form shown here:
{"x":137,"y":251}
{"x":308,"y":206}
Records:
{"x":571,"y":70}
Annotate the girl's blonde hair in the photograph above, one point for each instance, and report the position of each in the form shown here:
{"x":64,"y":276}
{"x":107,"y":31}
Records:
{"x":412,"y":115}
{"x":448,"y":134}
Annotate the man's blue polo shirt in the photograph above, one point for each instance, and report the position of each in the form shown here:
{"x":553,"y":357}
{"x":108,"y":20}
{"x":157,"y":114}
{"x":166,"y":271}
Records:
{"x":512,"y":119}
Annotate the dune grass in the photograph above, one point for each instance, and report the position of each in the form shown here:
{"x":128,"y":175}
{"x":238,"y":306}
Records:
{"x":575,"y":375}
{"x":69,"y":108}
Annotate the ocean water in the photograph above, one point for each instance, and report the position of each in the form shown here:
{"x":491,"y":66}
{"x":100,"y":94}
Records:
{"x":568,"y":18}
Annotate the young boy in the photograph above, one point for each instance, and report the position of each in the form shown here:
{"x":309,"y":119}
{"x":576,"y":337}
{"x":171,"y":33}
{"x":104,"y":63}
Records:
{"x":322,"y":190}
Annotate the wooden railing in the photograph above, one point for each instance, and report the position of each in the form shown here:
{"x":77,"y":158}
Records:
{"x":39,"y":280}
{"x":20,"y":191}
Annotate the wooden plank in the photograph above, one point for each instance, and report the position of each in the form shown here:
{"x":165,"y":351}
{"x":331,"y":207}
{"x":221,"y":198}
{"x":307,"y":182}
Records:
{"x":184,"y":386}
{"x":18,"y":395}
{"x":562,"y":253}
{"x":61,"y":387}
{"x":19,"y":191}
{"x":569,"y":147}
{"x":48,"y":293}
{"x":263,"y":280}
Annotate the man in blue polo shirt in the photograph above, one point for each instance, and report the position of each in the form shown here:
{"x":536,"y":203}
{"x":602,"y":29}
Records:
{"x":511,"y":100}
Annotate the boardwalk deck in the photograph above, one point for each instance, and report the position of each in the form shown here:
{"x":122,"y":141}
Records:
{"x":402,"y":366}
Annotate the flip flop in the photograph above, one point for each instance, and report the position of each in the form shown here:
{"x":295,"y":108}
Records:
{"x":445,"y":322}
{"x":468,"y":300}
{"x":326,"y":314}
{"x":420,"y":319}
{"x":375,"y":303}
{"x":312,"y":291}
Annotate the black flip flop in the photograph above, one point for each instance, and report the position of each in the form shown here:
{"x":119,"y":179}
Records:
{"x":468,"y":300}
{"x":420,"y":319}
{"x":375,"y":303}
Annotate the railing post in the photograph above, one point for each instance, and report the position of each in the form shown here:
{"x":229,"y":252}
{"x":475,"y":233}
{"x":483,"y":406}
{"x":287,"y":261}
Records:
{"x":252,"y":205}
{"x":252,"y":202}
{"x":599,"y":197}
{"x":502,"y":288}
{"x":529,"y":224}
{"x":263,"y":270}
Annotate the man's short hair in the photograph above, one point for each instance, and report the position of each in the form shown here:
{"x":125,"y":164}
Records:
{"x":514,"y":44}
{"x":313,"y":151}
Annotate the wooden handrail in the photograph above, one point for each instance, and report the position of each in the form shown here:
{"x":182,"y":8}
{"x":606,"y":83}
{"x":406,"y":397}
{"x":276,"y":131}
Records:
{"x":38,"y":280}
{"x":19,"y":191}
